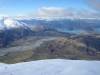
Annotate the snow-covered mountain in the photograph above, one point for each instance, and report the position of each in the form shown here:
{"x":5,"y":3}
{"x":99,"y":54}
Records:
{"x":63,"y":25}
{"x":10,"y":23}
{"x":52,"y":67}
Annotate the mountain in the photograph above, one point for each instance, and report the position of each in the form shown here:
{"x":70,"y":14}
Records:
{"x":68,"y":25}
{"x":69,"y":48}
{"x":64,"y":25}
{"x":52,"y":67}
{"x":75,"y":47}
{"x":12,"y":29}
{"x":33,"y":39}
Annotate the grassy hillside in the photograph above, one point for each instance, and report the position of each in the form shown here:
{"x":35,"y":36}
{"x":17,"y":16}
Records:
{"x":59,"y":47}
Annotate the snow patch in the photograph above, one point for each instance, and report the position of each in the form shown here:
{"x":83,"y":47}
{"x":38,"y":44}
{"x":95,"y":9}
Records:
{"x":52,"y":67}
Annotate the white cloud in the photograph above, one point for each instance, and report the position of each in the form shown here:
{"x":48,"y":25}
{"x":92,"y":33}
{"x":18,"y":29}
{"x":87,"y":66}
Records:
{"x":56,"y":12}
{"x":52,"y":12}
{"x":3,"y":15}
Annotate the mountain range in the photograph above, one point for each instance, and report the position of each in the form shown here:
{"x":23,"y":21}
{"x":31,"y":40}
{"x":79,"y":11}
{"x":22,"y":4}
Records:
{"x":32,"y":39}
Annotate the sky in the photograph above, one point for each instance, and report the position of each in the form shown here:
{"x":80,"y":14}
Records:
{"x":32,"y":7}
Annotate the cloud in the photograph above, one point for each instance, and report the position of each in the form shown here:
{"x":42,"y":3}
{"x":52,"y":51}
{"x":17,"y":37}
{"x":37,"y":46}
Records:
{"x":52,"y":12}
{"x":87,"y":14}
{"x":3,"y":15}
{"x":56,"y":12}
